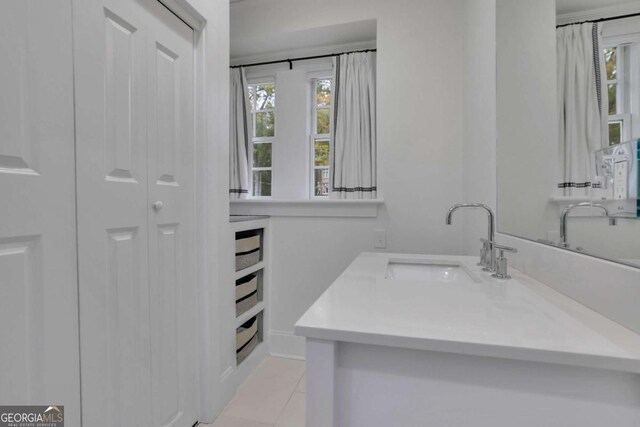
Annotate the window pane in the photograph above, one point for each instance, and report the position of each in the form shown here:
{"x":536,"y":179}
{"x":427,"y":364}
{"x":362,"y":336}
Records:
{"x":322,"y":123}
{"x":321,"y":182}
{"x":262,"y":155}
{"x":613,"y":92}
{"x":262,"y":183}
{"x":323,"y":92}
{"x":610,"y":58}
{"x":615,"y":130}
{"x":265,"y":96}
{"x":321,"y":152}
{"x":265,"y":124}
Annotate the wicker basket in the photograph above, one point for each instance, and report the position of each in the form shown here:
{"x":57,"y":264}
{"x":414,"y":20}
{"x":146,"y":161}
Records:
{"x":246,"y":286}
{"x":247,"y":260}
{"x":247,"y":251}
{"x":245,"y":332}
{"x":246,"y":303}
{"x":247,"y":244}
{"x":247,"y":349}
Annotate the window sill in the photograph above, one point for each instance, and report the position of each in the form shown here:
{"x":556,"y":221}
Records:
{"x":569,"y":199}
{"x":307,"y":208}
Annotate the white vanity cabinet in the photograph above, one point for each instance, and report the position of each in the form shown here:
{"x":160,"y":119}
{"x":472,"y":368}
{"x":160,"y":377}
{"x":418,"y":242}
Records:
{"x":485,"y":352}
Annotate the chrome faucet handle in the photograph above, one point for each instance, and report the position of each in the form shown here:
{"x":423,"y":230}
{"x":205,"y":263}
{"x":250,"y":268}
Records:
{"x":501,"y":261}
{"x":504,"y":249}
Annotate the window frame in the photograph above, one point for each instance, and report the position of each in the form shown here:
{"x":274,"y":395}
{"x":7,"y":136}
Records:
{"x":626,"y":101}
{"x":251,"y":85}
{"x":314,"y":136}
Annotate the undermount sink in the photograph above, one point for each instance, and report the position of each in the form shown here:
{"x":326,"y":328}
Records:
{"x":429,"y":270}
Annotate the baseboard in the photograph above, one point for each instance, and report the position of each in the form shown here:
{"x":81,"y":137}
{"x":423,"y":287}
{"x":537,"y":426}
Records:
{"x":286,"y":344}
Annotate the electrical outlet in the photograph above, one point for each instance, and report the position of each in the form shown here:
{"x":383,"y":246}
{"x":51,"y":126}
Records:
{"x":379,"y":239}
{"x":620,"y":180}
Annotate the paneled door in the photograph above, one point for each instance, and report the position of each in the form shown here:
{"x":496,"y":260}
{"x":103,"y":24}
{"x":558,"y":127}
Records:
{"x":171,"y":183}
{"x":39,"y":355}
{"x":134,"y":99}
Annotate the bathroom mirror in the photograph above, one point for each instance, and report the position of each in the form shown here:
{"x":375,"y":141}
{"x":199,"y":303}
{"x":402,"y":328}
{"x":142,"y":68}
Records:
{"x":568,"y":124}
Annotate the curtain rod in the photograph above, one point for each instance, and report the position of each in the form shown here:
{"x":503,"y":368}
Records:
{"x":611,"y":18}
{"x":305,"y":58}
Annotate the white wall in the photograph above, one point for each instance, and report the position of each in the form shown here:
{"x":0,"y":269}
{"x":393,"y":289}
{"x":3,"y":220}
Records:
{"x":424,"y":83}
{"x":527,"y":120}
{"x":479,"y":148}
{"x":307,"y":255}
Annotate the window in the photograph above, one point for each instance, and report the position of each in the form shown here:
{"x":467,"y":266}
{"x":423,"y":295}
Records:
{"x":618,"y":89}
{"x":262,"y":97}
{"x":320,"y":136}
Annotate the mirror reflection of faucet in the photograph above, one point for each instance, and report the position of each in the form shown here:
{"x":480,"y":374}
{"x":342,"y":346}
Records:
{"x":564,"y":242}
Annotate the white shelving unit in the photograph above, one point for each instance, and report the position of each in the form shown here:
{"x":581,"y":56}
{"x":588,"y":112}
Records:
{"x":242,"y":228}
{"x":232,"y":373}
{"x":250,"y":270}
{"x":249,"y":314}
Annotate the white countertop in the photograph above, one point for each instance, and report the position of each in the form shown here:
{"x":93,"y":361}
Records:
{"x":515,"y":319}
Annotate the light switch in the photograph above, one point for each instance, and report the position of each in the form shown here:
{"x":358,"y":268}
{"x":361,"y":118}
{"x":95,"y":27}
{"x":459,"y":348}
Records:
{"x":379,"y":239}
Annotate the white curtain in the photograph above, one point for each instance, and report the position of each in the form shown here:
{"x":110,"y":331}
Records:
{"x":239,"y":136}
{"x":582,"y":105}
{"x":353,"y":158}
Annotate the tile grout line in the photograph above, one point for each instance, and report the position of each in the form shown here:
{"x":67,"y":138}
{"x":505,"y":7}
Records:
{"x":285,"y":405}
{"x":295,"y":389}
{"x":300,"y":380}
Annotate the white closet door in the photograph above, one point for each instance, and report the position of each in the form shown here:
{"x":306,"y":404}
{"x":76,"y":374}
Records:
{"x":39,"y":355}
{"x":172,"y":268}
{"x":134,"y":92}
{"x":111,"y":115}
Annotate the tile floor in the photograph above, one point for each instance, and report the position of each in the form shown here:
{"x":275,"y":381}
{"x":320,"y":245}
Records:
{"x":272,"y":396}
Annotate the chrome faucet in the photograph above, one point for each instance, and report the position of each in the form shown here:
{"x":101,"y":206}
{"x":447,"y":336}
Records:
{"x":565,"y":215}
{"x":488,"y":254}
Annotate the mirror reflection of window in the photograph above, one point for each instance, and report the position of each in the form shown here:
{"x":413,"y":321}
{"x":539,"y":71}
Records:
{"x":543,"y":169}
{"x":618,"y":65}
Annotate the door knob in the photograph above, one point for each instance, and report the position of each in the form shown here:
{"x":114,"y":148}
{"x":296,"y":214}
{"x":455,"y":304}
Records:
{"x":158,"y":205}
